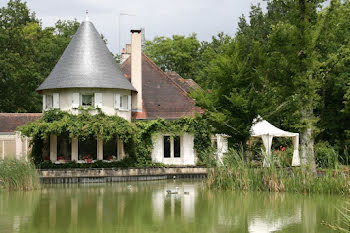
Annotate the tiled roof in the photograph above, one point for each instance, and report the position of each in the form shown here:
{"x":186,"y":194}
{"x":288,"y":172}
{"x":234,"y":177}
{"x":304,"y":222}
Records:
{"x":187,"y":85}
{"x":10,"y":121}
{"x":162,"y":97}
{"x":86,"y":63}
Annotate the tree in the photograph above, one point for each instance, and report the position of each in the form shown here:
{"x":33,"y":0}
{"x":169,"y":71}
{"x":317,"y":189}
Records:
{"x":275,"y":66}
{"x":27,"y":55}
{"x":178,"y":53}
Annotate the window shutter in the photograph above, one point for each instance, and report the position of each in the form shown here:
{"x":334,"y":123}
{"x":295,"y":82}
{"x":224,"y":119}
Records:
{"x":56,"y":100}
{"x":129,"y":102}
{"x":98,"y":100}
{"x":75,"y":100}
{"x":44,"y":102}
{"x":117,"y":101}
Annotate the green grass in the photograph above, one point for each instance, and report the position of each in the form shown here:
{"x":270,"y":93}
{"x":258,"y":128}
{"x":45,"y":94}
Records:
{"x":237,"y":174}
{"x":18,"y":175}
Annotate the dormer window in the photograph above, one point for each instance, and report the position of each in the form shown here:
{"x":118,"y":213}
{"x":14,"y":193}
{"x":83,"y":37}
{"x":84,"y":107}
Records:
{"x":87,"y":100}
{"x":49,"y":102}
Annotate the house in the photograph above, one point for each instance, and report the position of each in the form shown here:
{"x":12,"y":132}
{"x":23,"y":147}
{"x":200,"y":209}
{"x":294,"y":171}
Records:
{"x":87,"y":76}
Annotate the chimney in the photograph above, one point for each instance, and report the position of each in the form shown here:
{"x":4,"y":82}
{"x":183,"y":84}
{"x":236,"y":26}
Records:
{"x":136,"y":70}
{"x":128,"y":48}
{"x":124,"y":56}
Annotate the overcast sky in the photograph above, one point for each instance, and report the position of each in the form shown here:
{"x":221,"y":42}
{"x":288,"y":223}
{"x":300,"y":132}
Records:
{"x":158,"y":17}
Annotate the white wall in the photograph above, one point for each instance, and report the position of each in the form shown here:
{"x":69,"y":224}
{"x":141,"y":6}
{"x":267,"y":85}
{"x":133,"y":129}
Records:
{"x":66,"y":97}
{"x":222,"y":145}
{"x":13,"y":145}
{"x":187,"y":152}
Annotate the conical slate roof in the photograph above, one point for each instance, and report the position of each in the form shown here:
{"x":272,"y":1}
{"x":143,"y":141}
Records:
{"x":86,"y":63}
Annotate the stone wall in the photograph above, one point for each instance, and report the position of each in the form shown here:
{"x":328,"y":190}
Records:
{"x":98,"y":175}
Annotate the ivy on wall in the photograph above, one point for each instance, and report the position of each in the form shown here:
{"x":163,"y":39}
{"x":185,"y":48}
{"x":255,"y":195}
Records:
{"x":137,"y":136}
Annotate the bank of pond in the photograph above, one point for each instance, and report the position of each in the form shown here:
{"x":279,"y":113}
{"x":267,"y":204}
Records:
{"x":236,"y":175}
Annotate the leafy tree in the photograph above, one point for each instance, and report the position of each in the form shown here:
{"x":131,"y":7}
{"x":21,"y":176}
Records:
{"x":27,"y":55}
{"x":208,"y":52}
{"x":178,"y":53}
{"x":275,"y":66}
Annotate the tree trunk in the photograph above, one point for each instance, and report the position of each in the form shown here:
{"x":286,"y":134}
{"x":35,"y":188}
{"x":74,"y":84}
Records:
{"x":307,"y":140}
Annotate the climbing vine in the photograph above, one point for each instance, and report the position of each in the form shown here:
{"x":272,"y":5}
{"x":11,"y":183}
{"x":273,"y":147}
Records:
{"x":137,"y":136}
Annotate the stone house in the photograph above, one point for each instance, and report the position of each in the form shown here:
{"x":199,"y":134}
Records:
{"x":87,"y":76}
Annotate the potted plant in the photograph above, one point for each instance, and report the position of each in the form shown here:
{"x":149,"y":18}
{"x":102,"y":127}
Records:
{"x":87,"y":158}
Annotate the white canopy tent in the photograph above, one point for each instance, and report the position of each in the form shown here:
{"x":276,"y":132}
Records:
{"x":267,"y":131}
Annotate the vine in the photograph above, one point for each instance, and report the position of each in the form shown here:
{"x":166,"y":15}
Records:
{"x":137,"y":136}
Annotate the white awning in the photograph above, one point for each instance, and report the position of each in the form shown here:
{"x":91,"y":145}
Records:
{"x":267,"y":131}
{"x":262,"y":127}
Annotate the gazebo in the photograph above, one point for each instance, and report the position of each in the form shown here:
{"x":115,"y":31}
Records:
{"x":265,"y":130}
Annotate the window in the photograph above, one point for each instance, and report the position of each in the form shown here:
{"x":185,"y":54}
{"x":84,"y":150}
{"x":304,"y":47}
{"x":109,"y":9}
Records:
{"x":166,"y":146}
{"x":64,"y":147}
{"x":49,"y":102}
{"x":87,"y":100}
{"x":110,"y":149}
{"x":87,"y":149}
{"x":177,"y":147}
{"x":172,"y":147}
{"x":124,"y":102}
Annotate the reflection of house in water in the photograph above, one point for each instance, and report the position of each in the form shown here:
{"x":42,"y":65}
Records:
{"x":174,"y":205}
{"x":269,"y":223}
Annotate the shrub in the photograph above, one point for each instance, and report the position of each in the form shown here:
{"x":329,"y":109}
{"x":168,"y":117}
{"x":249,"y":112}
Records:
{"x":325,"y":155}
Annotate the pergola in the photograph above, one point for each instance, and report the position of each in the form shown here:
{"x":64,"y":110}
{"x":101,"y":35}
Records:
{"x":265,"y":130}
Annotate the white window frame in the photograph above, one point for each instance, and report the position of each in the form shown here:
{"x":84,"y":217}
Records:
{"x":124,"y":105}
{"x":75,"y":100}
{"x":172,"y":154}
{"x":116,"y":101}
{"x":47,"y":97}
{"x":92,"y":100}
{"x":98,"y":100}
{"x":56,"y":100}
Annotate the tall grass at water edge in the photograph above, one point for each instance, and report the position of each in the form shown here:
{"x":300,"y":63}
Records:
{"x":345,"y":213}
{"x":237,"y":174}
{"x":18,"y":175}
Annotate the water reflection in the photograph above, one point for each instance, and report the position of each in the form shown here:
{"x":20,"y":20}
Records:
{"x":180,"y":204}
{"x":147,"y":207}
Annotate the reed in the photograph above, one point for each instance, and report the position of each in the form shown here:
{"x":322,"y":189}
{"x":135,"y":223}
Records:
{"x":18,"y":175}
{"x":345,"y":214}
{"x":237,"y":174}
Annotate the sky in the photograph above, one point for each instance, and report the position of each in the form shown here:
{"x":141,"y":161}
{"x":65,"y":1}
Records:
{"x":115,"y":18}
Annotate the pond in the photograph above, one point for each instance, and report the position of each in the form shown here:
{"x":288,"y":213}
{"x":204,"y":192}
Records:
{"x":146,"y":207}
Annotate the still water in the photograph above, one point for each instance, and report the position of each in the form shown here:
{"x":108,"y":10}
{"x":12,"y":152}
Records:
{"x":146,"y":207}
